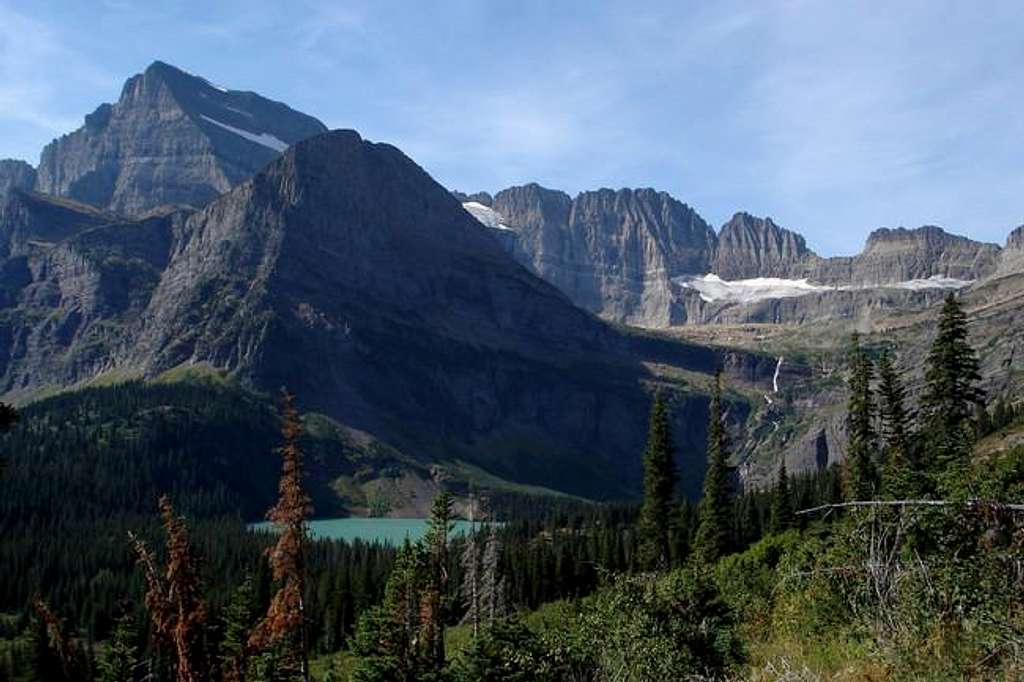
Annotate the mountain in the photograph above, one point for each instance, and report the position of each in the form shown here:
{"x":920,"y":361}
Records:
{"x":343,"y":271}
{"x":1012,"y":258}
{"x":15,"y":174}
{"x":751,"y":247}
{"x":642,"y":258}
{"x":172,"y":138}
{"x":611,"y":252}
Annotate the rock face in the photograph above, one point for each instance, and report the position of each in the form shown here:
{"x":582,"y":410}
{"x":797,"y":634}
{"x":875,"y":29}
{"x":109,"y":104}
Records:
{"x":751,"y":247}
{"x":900,"y":255}
{"x":1011,"y":260}
{"x":15,"y":174}
{"x":172,"y":138}
{"x":611,"y":252}
{"x":343,"y":271}
{"x":626,"y":255}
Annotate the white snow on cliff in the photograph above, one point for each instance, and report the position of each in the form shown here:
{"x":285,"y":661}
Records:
{"x":486,"y":215}
{"x":714,"y":289}
{"x":264,"y":139}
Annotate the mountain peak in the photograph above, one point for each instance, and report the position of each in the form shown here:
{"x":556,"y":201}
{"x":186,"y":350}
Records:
{"x":172,"y":138}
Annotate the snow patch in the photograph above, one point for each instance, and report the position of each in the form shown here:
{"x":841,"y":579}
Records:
{"x":933,"y":282}
{"x":486,"y":215}
{"x":714,"y":289}
{"x":265,"y":139}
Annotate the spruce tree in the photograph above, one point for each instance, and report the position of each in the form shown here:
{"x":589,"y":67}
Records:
{"x":781,"y":514}
{"x":435,"y":595}
{"x":713,"y":539}
{"x":951,"y":391}
{"x":659,"y":490}
{"x":900,"y":472}
{"x":861,"y":474}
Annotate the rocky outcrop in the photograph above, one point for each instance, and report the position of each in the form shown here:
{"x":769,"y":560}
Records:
{"x":900,"y":255}
{"x":15,"y":174}
{"x":612,"y":252}
{"x":751,"y":247}
{"x":171,"y":138}
{"x":1011,"y":260}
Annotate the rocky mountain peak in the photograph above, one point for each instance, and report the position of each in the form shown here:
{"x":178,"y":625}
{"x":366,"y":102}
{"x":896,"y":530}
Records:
{"x":171,"y":138}
{"x":749,"y":247}
{"x":1016,"y":239}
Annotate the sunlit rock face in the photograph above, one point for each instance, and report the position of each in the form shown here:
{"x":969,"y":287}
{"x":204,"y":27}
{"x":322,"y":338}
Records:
{"x":172,"y":138}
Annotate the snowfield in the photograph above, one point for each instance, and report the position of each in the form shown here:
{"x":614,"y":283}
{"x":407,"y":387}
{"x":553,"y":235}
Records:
{"x":264,"y":139}
{"x":714,"y":289}
{"x":486,"y":215}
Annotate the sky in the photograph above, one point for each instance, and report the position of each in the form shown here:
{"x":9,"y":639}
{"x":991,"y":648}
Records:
{"x":833,"y":117}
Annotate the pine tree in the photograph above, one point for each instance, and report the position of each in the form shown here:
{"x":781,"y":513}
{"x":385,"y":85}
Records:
{"x":951,"y":392}
{"x":900,"y":474}
{"x":239,"y":618}
{"x":861,"y":474}
{"x":713,"y":540}
{"x":434,"y":599}
{"x":659,"y":490}
{"x":284,"y":625}
{"x":120,"y":660}
{"x":386,"y":637}
{"x":781,"y":514}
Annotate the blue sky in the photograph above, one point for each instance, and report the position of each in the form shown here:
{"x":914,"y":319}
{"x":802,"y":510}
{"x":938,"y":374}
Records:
{"x":832,"y":117}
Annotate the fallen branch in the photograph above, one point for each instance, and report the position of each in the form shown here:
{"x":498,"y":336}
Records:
{"x":969,"y":504}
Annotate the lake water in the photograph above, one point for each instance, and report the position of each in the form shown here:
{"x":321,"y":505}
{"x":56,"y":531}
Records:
{"x":387,"y":531}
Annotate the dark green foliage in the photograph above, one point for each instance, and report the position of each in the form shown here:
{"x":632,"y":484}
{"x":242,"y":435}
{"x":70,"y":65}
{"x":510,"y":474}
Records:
{"x":781,"y":517}
{"x":861,"y":471}
{"x":650,"y":627}
{"x":713,"y":538}
{"x":120,"y":661}
{"x":901,"y":470}
{"x":506,"y":651}
{"x":656,"y":512}
{"x":948,"y":403}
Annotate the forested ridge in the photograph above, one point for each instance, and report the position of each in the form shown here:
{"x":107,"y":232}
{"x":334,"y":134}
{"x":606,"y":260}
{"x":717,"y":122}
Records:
{"x":904,"y":563}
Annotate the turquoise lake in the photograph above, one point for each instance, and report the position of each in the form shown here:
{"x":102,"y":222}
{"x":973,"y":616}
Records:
{"x":386,"y":531}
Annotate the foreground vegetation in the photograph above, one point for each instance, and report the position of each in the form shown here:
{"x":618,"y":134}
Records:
{"x":908,"y":563}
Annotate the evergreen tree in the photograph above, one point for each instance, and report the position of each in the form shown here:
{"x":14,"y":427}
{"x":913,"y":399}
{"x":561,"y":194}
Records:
{"x":713,"y":540}
{"x":861,"y":474}
{"x":120,"y":660}
{"x":435,"y":595}
{"x":900,"y":473}
{"x":951,"y":391}
{"x":284,"y":626}
{"x":239,"y":618}
{"x":386,"y":637}
{"x":659,"y":490}
{"x":781,"y":515}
